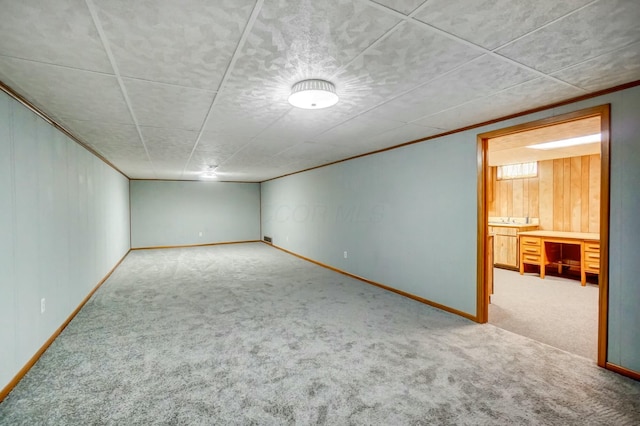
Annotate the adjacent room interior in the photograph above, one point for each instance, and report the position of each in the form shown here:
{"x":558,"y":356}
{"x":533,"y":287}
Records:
{"x":546,"y":179}
{"x":297,"y":212}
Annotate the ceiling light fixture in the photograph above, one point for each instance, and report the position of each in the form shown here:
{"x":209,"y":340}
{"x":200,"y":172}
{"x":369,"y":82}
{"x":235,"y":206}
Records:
{"x":582,"y":140}
{"x":313,"y":94}
{"x":210,"y":173}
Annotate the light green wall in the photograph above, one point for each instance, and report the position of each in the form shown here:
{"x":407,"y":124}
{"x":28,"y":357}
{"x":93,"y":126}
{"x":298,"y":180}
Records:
{"x":169,"y":213}
{"x":408,"y":218}
{"x":64,"y":223}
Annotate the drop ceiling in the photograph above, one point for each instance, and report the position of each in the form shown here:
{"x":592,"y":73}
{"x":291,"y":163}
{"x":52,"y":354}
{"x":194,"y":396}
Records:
{"x":512,"y":149}
{"x":163,"y":89}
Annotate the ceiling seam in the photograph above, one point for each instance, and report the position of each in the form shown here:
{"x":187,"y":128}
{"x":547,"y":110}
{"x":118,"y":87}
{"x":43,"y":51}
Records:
{"x":384,"y":36}
{"x":404,"y":92}
{"x":243,"y":38}
{"x":411,"y":17}
{"x":544,"y":26}
{"x":568,"y":67}
{"x":112,"y":60}
{"x":388,"y":33}
{"x":379,"y":40}
{"x":58,"y":65}
{"x":471,"y":101}
{"x":494,"y":54}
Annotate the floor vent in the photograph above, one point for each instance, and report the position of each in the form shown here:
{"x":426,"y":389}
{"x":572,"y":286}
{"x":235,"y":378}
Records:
{"x":267,"y":239}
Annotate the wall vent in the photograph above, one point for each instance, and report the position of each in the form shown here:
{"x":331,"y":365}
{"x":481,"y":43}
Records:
{"x":267,"y":239}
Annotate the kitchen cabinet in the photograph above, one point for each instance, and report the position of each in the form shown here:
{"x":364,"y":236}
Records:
{"x":505,"y":243}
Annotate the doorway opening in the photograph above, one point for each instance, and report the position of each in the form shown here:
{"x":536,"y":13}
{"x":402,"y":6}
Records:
{"x":543,"y":221}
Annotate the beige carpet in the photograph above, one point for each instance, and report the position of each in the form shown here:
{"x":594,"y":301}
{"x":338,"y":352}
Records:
{"x":556,"y":311}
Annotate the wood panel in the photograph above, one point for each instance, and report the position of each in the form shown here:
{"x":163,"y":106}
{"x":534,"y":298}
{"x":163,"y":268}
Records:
{"x":565,"y":196}
{"x":576,"y":193}
{"x":594,"y":193}
{"x":545,"y":193}
{"x":558,"y":204}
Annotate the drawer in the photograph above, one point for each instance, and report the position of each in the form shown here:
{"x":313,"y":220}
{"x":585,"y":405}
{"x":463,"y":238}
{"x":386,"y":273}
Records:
{"x":592,"y":267}
{"x":588,"y":246}
{"x":590,"y":255}
{"x":531,"y":258}
{"x":531,"y":249}
{"x":530,"y":241}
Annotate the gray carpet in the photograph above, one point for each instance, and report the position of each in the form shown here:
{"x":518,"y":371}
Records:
{"x":556,"y":311}
{"x":246,"y":334}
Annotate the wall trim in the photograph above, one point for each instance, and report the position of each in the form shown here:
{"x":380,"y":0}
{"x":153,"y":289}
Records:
{"x":194,"y":180}
{"x":16,"y":96}
{"x":377,"y":284}
{"x":635,"y":375}
{"x":474,"y":126}
{"x":25,"y":369}
{"x":194,"y":245}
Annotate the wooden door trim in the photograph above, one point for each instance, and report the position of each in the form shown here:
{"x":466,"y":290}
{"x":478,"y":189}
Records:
{"x":603,"y":111}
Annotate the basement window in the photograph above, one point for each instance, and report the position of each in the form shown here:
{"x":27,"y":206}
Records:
{"x":518,"y":171}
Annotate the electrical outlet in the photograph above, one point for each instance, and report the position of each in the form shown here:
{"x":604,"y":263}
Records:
{"x":42,"y":305}
{"x":345,"y":254}
{"x":287,"y":238}
{"x":200,"y":234}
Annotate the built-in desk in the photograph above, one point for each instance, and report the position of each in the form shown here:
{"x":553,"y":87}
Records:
{"x":539,"y":248}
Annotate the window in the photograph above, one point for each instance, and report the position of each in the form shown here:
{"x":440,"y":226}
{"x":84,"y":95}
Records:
{"x":518,"y":171}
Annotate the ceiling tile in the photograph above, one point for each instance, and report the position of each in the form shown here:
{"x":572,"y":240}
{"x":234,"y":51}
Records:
{"x":236,"y":125}
{"x":66,"y":92}
{"x":136,"y":169}
{"x":188,"y":43}
{"x":221,"y":143}
{"x":399,"y":135}
{"x":100,"y":133}
{"x":476,"y":79}
{"x":60,"y":32}
{"x":268,"y":147}
{"x":291,"y":41}
{"x":162,"y":105}
{"x":113,"y":141}
{"x":600,"y":28}
{"x":169,"y":144}
{"x":413,"y":54}
{"x":526,"y":96}
{"x":130,"y":153}
{"x":240,"y":115}
{"x":360,"y":128}
{"x":168,"y":169}
{"x":308,"y":151}
{"x":492,"y":23}
{"x":402,"y":6}
{"x":605,"y":71}
{"x":202,"y":159}
{"x":302,"y":124}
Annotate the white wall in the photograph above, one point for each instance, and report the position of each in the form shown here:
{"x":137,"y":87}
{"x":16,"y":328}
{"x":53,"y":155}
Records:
{"x":64,"y":223}
{"x":408,"y":218}
{"x":171,"y":213}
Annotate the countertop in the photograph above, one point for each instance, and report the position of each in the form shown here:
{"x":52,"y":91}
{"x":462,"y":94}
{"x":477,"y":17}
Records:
{"x":587,"y":236}
{"x":513,"y":225}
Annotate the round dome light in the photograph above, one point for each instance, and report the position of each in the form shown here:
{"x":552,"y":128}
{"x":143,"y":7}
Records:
{"x":313,"y":94}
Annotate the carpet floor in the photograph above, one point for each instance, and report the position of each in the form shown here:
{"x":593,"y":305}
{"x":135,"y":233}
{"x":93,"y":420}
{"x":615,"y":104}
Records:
{"x":556,"y":311}
{"x":247,"y":334}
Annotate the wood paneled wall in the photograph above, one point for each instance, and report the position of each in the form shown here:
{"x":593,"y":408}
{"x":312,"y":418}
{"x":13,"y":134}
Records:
{"x":565,"y":196}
